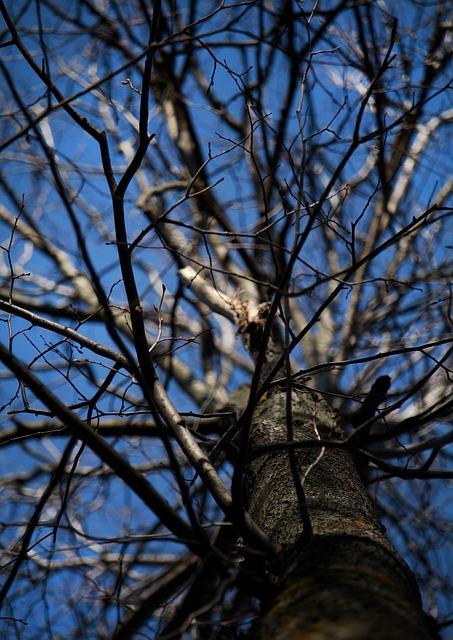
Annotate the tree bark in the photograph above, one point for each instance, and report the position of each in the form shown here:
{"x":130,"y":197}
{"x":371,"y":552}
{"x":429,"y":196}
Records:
{"x":344,"y":581}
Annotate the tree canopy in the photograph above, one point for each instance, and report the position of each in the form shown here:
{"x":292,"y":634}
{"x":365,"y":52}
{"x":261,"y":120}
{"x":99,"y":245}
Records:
{"x":174,"y":175}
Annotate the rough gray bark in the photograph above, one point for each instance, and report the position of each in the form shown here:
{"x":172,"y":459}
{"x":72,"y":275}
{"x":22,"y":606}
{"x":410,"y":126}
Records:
{"x":346,"y":581}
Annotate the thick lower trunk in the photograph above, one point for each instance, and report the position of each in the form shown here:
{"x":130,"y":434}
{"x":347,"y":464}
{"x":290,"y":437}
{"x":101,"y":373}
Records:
{"x":345,"y":581}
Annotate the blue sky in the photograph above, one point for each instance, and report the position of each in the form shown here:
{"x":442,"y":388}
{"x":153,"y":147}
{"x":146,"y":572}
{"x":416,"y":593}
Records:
{"x":328,"y":131}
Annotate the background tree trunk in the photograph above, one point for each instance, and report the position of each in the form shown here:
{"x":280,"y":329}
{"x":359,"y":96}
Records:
{"x":345,"y":581}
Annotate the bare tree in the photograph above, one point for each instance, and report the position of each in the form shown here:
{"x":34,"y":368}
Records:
{"x":202,"y":199}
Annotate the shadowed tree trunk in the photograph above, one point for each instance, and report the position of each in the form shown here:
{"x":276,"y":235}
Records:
{"x":343,"y":580}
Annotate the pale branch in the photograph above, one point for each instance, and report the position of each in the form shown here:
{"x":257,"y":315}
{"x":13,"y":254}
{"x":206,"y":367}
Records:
{"x":136,"y":481}
{"x":217,"y":301}
{"x":207,"y":471}
{"x":66,"y":332}
{"x":425,"y":133}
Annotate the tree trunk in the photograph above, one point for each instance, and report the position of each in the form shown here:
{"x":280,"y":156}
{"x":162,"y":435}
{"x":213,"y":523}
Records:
{"x":345,"y":581}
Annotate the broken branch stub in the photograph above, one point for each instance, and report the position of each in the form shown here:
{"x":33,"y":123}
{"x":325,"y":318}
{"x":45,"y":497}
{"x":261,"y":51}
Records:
{"x":251,"y":320}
